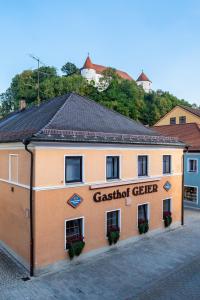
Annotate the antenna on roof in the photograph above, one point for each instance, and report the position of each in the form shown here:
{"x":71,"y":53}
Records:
{"x":38,"y":75}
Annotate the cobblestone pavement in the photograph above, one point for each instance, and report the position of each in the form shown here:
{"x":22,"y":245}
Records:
{"x":166,"y":266}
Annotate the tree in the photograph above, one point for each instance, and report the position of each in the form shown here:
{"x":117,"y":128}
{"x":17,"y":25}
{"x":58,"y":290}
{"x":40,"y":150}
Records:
{"x":69,"y":69}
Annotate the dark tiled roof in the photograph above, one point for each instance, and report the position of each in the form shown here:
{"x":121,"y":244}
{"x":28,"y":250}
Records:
{"x":195,"y":111}
{"x":75,"y":118}
{"x":188,"y":133}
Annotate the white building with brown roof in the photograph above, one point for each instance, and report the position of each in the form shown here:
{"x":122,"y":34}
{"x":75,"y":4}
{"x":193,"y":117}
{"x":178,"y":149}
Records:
{"x":94,"y":72}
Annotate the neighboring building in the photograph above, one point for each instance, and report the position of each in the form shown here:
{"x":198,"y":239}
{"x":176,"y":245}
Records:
{"x":95,"y":175}
{"x":144,"y":81}
{"x":190,"y":135}
{"x":94,"y":72}
{"x":180,"y":115}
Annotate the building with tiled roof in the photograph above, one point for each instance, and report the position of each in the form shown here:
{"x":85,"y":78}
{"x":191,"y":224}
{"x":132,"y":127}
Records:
{"x":189,"y":133}
{"x":77,"y":177}
{"x":180,"y":114}
{"x":93,"y":72}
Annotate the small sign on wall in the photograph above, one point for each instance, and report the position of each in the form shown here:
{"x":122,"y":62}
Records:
{"x":128,"y":201}
{"x":75,"y":200}
{"x":167,"y":186}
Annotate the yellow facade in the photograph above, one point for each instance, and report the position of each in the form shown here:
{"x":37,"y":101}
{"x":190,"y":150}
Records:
{"x":178,"y":112}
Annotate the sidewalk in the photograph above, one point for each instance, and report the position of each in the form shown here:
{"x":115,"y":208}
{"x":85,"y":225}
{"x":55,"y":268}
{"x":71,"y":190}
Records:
{"x":122,"y":274}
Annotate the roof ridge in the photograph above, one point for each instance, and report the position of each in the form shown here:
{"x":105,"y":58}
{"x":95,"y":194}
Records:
{"x":67,"y":98}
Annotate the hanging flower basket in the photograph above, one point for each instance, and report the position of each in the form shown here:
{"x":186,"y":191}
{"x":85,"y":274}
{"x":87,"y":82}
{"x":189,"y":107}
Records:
{"x":75,"y":246}
{"x":113,"y":235}
{"x":143,"y":226}
{"x":167,"y":218}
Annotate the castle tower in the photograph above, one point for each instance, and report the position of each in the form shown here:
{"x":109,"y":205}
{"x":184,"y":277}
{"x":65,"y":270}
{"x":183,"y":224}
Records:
{"x":88,"y":70}
{"x":144,"y":81}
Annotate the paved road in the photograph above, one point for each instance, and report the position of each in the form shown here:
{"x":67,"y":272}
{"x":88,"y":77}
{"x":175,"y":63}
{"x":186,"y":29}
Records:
{"x":166,"y":266}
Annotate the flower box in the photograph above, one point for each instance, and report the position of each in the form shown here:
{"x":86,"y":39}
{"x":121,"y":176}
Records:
{"x":167,"y":216}
{"x":75,"y":246}
{"x":143,"y":226}
{"x":113,"y":235}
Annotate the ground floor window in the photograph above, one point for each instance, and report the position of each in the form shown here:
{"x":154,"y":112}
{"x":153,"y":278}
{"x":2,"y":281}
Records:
{"x":113,"y":221}
{"x":190,"y":193}
{"x":142,"y":213}
{"x":166,"y":207}
{"x":73,"y":230}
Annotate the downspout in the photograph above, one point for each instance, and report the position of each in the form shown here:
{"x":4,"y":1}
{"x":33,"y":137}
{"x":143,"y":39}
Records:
{"x":183,"y":179}
{"x":26,"y":143}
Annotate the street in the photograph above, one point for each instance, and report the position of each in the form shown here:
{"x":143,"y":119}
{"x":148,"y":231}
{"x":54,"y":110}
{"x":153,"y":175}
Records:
{"x":165,"y":266}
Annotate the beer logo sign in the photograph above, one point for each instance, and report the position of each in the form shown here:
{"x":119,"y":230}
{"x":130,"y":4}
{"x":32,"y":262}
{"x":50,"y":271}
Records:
{"x":75,"y":200}
{"x":167,"y":186}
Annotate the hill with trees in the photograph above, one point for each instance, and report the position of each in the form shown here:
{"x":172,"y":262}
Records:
{"x":121,"y":95}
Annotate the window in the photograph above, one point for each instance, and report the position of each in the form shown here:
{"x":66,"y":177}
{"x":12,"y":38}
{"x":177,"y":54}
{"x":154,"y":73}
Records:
{"x":113,"y":220}
{"x":190,"y":194}
{"x":142,"y":213}
{"x":112,"y":167}
{"x":73,"y":230}
{"x":166,"y":164}
{"x":192,"y":165}
{"x":172,"y":120}
{"x":13,"y":167}
{"x":142,"y":165}
{"x":182,"y":120}
{"x":73,"y":169}
{"x":166,"y":206}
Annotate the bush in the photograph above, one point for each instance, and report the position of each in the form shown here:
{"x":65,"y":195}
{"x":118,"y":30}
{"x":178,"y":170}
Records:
{"x":76,"y":248}
{"x":167,"y":219}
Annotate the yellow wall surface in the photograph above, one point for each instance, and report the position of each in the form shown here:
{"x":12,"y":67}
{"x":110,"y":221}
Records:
{"x":178,"y":112}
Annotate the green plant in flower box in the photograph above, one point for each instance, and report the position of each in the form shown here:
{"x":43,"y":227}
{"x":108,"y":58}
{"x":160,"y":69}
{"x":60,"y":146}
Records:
{"x":143,"y":226}
{"x":75,"y":247}
{"x":167,"y":218}
{"x":113,"y":235}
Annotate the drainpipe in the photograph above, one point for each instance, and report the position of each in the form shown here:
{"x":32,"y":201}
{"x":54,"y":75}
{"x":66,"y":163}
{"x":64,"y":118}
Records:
{"x":26,"y":143}
{"x":183,"y":178}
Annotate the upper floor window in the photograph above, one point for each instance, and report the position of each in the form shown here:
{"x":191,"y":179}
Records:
{"x":173,"y":120}
{"x":142,"y":165}
{"x":182,"y":120}
{"x":73,"y":169}
{"x":13,"y":167}
{"x":143,"y":213}
{"x":166,"y":164}
{"x":112,"y":167}
{"x":192,"y":165}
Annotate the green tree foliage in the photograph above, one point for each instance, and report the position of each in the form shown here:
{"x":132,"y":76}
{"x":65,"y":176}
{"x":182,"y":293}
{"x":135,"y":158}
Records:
{"x":69,"y":69}
{"x":121,"y":95}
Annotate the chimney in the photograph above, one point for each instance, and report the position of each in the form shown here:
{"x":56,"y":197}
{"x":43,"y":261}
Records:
{"x":22,"y":104}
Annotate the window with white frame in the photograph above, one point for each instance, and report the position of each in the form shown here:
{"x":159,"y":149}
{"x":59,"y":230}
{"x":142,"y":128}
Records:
{"x":166,"y":164}
{"x":192,"y":165}
{"x":13,"y":167}
{"x":112,"y":167}
{"x":73,"y":169}
{"x":73,"y":230}
{"x":143,"y":213}
{"x":190,"y":194}
{"x":113,"y":220}
{"x":166,"y":207}
{"x":142,"y":165}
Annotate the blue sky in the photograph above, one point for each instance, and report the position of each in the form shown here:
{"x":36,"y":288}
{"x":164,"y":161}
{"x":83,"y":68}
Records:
{"x":159,"y":36}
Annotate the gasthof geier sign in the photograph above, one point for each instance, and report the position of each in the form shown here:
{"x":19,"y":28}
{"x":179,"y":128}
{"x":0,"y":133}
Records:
{"x":116,"y":194}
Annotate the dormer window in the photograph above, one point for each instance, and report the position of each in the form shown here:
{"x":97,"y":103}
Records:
{"x":182,"y":120}
{"x":173,"y":121}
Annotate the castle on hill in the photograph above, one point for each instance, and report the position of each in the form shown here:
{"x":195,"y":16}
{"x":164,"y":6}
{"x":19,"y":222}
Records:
{"x":93,"y":72}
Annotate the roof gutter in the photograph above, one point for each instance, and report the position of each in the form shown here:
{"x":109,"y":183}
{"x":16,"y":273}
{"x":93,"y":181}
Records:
{"x":32,"y":258}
